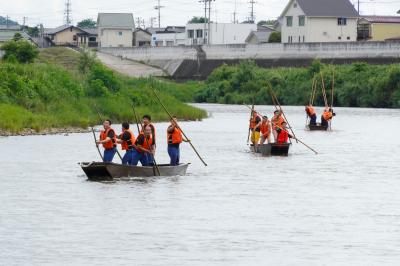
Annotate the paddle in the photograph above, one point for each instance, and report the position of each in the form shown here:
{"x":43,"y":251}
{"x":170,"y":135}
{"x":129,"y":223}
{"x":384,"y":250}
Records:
{"x":101,"y":118}
{"x":333,"y":88}
{"x":169,"y":114}
{"x":155,"y":166}
{"x":97,"y":146}
{"x":324,"y":90}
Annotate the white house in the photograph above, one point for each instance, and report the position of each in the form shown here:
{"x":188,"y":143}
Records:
{"x":115,"y":29}
{"x":220,"y":33}
{"x":170,"y":36}
{"x":319,"y":21}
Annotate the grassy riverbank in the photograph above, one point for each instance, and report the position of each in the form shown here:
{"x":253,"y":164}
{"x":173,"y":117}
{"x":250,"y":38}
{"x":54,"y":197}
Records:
{"x":356,"y":85}
{"x":56,"y":91}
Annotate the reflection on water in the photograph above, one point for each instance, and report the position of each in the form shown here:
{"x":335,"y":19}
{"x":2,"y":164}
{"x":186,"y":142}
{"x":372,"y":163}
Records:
{"x":338,"y":207}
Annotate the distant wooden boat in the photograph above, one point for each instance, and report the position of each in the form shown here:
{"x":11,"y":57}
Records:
{"x":272,"y":149}
{"x":317,"y":127}
{"x":99,"y":171}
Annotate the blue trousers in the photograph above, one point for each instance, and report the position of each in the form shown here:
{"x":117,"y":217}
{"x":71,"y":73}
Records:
{"x":144,"y":158}
{"x":128,"y":157}
{"x":313,"y":119}
{"x":174,"y":154}
{"x":109,"y":155}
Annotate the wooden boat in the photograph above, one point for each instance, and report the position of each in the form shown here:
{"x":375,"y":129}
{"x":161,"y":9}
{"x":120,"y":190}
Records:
{"x":99,"y":171}
{"x":317,"y":127}
{"x":272,"y":149}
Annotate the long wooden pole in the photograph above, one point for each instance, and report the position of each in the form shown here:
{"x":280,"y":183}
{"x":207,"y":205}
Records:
{"x":97,"y":145}
{"x":249,"y":131}
{"x":324,"y":90}
{"x":169,"y":114}
{"x":333,"y":87}
{"x":283,"y":113}
{"x":155,"y":166}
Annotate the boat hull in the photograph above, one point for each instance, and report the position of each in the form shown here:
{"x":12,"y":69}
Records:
{"x":272,"y":149}
{"x":99,"y":171}
{"x":317,"y":127}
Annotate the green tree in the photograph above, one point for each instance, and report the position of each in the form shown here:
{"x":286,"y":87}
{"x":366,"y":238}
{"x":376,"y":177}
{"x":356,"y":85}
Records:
{"x":32,"y":31}
{"x":17,"y":36}
{"x":275,"y":37}
{"x":87,"y":23}
{"x":21,"y":50}
{"x":87,"y":59}
{"x":198,"y":20}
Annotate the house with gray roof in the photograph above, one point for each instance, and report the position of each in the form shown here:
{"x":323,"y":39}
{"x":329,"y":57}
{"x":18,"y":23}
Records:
{"x":115,"y":29}
{"x":261,"y":35}
{"x":319,"y":21}
{"x":69,"y":35}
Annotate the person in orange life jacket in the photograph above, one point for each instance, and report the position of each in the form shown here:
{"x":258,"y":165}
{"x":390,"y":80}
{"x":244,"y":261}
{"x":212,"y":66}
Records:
{"x":108,"y":140}
{"x":174,"y":139}
{"x":283,"y":134}
{"x":265,"y":129}
{"x":276,"y":121}
{"x":127,"y":141}
{"x":146,"y":121}
{"x":311,"y":114}
{"x":143,"y":151}
{"x":255,"y":123}
{"x":327,"y":115}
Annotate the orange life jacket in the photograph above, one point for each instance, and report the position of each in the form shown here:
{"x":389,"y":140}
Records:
{"x":253,"y":121}
{"x":147,"y":143}
{"x":277,"y":122}
{"x":327,"y":115}
{"x":265,"y":128}
{"x":310,"y":110}
{"x":110,"y":144}
{"x":174,"y":137}
{"x":125,"y":146}
{"x":283,"y":136}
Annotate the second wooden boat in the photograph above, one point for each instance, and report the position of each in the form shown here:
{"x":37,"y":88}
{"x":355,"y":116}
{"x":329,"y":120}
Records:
{"x":272,"y":149}
{"x":317,"y":127}
{"x":99,"y":171}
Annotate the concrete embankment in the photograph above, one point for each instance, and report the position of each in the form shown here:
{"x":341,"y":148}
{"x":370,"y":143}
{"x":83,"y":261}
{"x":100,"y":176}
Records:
{"x":187,"y":62}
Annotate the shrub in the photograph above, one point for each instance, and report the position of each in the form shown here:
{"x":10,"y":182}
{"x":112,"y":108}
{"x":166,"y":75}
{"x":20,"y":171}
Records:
{"x":275,"y":37}
{"x":21,"y":50}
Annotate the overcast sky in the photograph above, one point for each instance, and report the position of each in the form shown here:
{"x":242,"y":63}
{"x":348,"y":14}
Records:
{"x":175,"y":12}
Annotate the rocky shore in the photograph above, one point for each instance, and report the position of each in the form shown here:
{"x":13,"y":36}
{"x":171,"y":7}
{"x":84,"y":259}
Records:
{"x":51,"y":131}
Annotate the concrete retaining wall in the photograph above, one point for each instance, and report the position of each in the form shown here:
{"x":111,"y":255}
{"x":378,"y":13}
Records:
{"x":185,"y":62}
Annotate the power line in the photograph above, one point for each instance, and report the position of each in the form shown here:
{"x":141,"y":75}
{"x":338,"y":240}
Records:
{"x":68,"y":13}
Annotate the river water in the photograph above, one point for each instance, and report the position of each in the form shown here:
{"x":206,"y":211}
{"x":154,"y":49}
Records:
{"x":340,"y":207}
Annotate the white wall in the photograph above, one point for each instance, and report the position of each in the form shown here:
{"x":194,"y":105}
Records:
{"x":328,"y":30}
{"x":112,"y":38}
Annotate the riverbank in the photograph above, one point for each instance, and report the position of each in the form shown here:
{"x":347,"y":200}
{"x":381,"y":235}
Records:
{"x":51,"y":131}
{"x":66,"y":89}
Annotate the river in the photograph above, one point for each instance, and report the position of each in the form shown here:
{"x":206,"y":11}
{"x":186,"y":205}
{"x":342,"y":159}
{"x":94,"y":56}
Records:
{"x":340,"y":207}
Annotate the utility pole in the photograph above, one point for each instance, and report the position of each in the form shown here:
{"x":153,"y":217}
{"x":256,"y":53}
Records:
{"x":152,"y":19}
{"x":209,"y":20}
{"x":358,"y":7}
{"x":234,"y":13}
{"x":68,"y":13}
{"x":158,"y":7}
{"x":7,"y":18}
{"x":252,"y":17}
{"x":205,"y":20}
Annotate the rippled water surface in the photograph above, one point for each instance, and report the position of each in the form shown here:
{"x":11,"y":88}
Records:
{"x":341,"y":207}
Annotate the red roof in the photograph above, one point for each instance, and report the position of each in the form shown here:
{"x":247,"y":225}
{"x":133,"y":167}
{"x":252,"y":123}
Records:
{"x":382,"y":19}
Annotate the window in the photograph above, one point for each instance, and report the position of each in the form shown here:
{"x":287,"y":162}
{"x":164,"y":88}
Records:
{"x":339,"y":38}
{"x":348,"y":37}
{"x":302,"y":21}
{"x":299,"y":39}
{"x":290,"y":39}
{"x":342,"y":21}
{"x":74,"y":38}
{"x":289,"y":21}
{"x":92,"y":39}
{"x":191,"y":34}
{"x":304,"y":38}
{"x":295,"y":5}
{"x":170,"y":43}
{"x":199,"y":33}
{"x":120,"y":33}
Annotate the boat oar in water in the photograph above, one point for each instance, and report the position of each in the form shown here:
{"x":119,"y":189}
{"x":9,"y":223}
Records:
{"x":97,"y":145}
{"x":155,"y":166}
{"x":101,"y":118}
{"x":183,"y":133}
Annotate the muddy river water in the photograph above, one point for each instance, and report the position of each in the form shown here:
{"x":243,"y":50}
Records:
{"x":341,"y":207}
